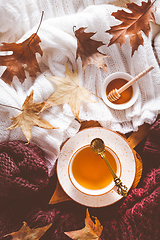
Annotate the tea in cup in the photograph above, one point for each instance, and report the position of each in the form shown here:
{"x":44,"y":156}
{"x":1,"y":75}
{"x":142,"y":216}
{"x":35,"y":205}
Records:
{"x":89,"y":173}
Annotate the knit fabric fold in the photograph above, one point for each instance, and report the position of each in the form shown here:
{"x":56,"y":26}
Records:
{"x":133,"y":217}
{"x":20,"y":19}
{"x":22,"y":169}
{"x":152,"y":146}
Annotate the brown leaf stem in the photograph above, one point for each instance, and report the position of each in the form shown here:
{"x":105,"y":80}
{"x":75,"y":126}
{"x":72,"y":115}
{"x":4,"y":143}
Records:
{"x":33,"y":35}
{"x":74,"y":28}
{"x":10,"y":107}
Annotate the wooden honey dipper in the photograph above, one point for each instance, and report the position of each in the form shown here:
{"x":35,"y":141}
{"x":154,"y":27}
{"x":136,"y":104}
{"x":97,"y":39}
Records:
{"x":115,"y":94}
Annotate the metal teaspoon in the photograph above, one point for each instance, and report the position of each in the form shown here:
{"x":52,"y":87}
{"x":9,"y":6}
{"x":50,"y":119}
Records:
{"x":97,"y":145}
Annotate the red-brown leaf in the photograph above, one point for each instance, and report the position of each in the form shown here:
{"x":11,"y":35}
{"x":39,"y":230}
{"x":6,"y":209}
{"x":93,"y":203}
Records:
{"x":133,"y":23}
{"x":87,"y":50}
{"x":23,"y":54}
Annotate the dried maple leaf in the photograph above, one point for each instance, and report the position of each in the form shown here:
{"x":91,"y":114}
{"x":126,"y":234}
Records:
{"x":25,"y":233}
{"x":90,"y":231}
{"x":29,"y":117}
{"x":69,"y":92}
{"x":132,"y":24}
{"x":87,"y":50}
{"x":23,"y":54}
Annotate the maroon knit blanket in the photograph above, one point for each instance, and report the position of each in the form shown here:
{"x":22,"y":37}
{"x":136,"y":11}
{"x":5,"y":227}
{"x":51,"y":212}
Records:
{"x":25,"y":191}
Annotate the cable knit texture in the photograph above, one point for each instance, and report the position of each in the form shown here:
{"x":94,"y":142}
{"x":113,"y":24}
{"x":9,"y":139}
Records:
{"x":135,"y":217}
{"x":22,"y":169}
{"x":20,"y":19}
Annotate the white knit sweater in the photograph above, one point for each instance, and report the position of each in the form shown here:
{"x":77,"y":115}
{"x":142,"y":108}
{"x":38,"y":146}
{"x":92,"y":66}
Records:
{"x":19,"y":19}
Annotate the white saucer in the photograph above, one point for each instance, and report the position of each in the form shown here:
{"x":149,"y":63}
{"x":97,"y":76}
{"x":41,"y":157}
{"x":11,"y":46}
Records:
{"x":114,"y":141}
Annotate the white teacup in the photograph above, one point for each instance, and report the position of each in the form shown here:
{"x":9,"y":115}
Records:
{"x":89,"y":173}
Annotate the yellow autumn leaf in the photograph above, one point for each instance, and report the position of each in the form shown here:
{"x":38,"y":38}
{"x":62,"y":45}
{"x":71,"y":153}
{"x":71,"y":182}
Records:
{"x":25,"y":233}
{"x":91,"y":231}
{"x":29,"y":116}
{"x":68,"y":91}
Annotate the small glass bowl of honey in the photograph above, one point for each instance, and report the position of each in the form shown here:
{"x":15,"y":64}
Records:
{"x":116,"y":81}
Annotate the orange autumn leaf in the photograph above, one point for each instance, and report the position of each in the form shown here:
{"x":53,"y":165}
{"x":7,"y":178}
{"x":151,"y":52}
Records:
{"x":25,"y":233}
{"x":68,"y":91}
{"x":87,"y":50}
{"x":90,"y":231}
{"x":29,"y":116}
{"x":23,"y":54}
{"x":133,"y":23}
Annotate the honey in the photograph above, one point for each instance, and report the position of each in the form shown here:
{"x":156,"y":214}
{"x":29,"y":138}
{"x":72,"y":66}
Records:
{"x":117,"y":83}
{"x":90,"y":170}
